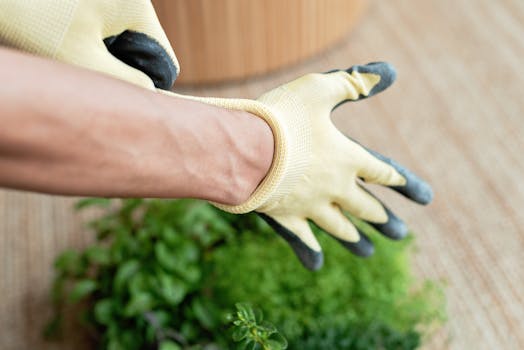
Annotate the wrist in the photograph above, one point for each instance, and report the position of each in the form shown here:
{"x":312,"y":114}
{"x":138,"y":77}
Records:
{"x":253,"y":154}
{"x":230,"y":149}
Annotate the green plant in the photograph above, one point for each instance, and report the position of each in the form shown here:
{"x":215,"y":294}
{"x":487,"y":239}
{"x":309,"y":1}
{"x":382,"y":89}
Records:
{"x":348,"y":290}
{"x":167,"y":274}
{"x":144,"y":276}
{"x":253,"y":333}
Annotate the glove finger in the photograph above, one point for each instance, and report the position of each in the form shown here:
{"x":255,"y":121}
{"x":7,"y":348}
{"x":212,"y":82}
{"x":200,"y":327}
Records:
{"x":393,"y":227}
{"x":363,"y":81}
{"x":298,"y":234}
{"x":144,"y":53}
{"x":363,"y":248}
{"x":335,"y":223}
{"x":363,"y":205}
{"x":384,"y":70}
{"x":375,"y":170}
{"x":413,"y":186}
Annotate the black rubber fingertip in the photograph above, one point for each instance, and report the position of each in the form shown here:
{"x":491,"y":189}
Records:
{"x":363,"y":248}
{"x":144,"y":53}
{"x":311,"y":259}
{"x":387,"y":72}
{"x":332,"y":71}
{"x":415,"y":188}
{"x":424,"y":195}
{"x":394,"y":228}
{"x":313,"y":262}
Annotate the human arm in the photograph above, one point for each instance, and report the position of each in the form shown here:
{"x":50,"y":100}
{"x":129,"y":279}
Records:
{"x":70,"y":131}
{"x":316,"y":172}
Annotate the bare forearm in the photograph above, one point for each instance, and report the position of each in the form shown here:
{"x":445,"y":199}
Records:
{"x":69,"y":131}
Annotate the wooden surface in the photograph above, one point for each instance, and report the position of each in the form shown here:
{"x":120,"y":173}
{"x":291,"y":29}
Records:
{"x":219,"y":40}
{"x":455,"y":116}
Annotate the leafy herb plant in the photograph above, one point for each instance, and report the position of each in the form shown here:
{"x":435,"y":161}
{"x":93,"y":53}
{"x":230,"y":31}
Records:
{"x":167,"y":275}
{"x":253,"y":333}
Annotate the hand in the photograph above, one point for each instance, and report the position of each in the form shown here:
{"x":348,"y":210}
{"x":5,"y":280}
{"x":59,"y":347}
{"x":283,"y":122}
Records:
{"x":315,"y":170}
{"x":122,"y":38}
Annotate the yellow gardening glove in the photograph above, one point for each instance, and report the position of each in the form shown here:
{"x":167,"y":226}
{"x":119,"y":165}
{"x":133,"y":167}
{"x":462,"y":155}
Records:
{"x":315,"y":170}
{"x":122,"y":38}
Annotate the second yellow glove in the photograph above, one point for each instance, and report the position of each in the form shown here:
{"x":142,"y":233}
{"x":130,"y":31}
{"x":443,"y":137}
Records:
{"x":122,"y":38}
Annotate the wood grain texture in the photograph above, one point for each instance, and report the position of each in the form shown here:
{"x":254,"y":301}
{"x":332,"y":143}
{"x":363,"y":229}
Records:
{"x":219,"y":40}
{"x":455,"y":116}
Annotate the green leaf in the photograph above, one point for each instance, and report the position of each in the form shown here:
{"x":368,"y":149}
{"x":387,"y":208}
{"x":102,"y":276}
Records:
{"x":114,"y":344}
{"x":70,"y":262}
{"x":53,"y":327}
{"x":191,"y":274}
{"x":188,"y":251}
{"x":190,"y":330}
{"x":98,"y":255}
{"x":258,"y":316}
{"x":169,"y":345}
{"x":82,"y":289}
{"x":203,"y":312}
{"x":124,"y":273}
{"x":247,"y":344}
{"x":139,"y":282}
{"x":92,"y":202}
{"x":104,"y":311}
{"x":278,"y":341}
{"x":172,"y":289}
{"x":129,"y":338}
{"x":245,"y":312}
{"x":171,"y":237}
{"x":57,"y":289}
{"x":267,"y":328}
{"x":240,"y":333}
{"x":129,"y":206}
{"x":273,"y":345}
{"x":139,"y":304}
{"x":165,"y":257}
{"x":179,"y":264}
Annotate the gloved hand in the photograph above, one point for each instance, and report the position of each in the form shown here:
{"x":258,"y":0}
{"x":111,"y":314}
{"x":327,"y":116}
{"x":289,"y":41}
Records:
{"x":315,"y":170}
{"x":122,"y":38}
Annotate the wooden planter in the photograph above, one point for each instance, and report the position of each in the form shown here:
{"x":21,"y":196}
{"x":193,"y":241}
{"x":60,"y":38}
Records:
{"x":217,"y":40}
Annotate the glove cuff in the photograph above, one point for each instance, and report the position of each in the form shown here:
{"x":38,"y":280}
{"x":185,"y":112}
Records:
{"x":291,"y":152}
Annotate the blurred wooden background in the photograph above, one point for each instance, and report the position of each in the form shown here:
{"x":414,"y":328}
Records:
{"x":455,"y":116}
{"x":218,"y":40}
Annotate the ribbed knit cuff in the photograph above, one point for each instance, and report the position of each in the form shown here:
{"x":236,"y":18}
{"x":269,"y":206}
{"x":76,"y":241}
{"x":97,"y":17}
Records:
{"x":291,"y":150}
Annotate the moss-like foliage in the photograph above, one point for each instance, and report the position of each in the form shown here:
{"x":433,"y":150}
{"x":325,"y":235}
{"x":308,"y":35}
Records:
{"x":377,"y":293}
{"x":167,"y":275}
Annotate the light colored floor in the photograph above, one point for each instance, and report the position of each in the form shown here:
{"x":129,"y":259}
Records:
{"x":455,"y":116}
